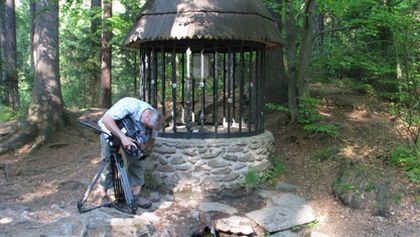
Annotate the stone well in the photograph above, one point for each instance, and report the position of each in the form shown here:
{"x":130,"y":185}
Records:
{"x":209,"y":164}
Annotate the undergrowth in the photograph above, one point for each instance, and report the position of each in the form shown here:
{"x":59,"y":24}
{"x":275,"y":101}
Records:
{"x":7,"y":114}
{"x":308,"y":116}
{"x":408,"y":160}
{"x":253,"y":179}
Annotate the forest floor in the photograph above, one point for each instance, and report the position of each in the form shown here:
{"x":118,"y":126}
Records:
{"x":46,"y":176}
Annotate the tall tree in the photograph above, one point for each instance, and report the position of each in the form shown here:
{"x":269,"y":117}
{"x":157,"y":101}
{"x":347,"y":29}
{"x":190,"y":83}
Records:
{"x":11,"y":76}
{"x":306,"y":48}
{"x":46,"y":112}
{"x":291,"y":37}
{"x":106,"y":58}
{"x":4,"y":93}
{"x":94,"y":75}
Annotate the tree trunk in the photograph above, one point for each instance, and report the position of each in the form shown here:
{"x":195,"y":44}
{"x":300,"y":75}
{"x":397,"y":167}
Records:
{"x":106,"y":76}
{"x":46,"y":112}
{"x":291,"y":30}
{"x":11,"y":76}
{"x":32,"y":29}
{"x":306,"y":49}
{"x":94,"y":74}
{"x":4,"y":95}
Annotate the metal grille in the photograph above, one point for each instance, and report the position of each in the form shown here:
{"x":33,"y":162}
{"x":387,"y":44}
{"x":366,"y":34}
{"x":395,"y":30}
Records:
{"x":205,"y":89}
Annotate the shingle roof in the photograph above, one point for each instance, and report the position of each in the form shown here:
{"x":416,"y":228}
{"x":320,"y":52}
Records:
{"x":204,"y":19}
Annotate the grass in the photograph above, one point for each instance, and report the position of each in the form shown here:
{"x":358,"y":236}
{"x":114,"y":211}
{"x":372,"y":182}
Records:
{"x":325,"y":153}
{"x":408,"y":160}
{"x":7,"y":114}
{"x":253,"y":179}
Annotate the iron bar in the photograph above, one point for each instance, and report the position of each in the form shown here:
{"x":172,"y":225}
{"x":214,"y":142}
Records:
{"x":229,"y":84}
{"x":250,"y":90}
{"x":155,"y":78}
{"x":163,"y":86}
{"x":143,"y":75}
{"x":215,"y":87}
{"x":233,"y":89}
{"x":241,"y":89}
{"x":188,"y":114}
{"x":182,"y":79}
{"x":149,"y":77}
{"x":203,"y":91}
{"x":224,"y":86}
{"x":174,"y":86}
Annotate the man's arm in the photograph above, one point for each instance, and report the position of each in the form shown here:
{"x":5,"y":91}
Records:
{"x":127,"y":142}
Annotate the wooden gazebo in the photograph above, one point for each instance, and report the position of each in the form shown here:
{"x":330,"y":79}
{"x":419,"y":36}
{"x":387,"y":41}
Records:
{"x":202,"y":64}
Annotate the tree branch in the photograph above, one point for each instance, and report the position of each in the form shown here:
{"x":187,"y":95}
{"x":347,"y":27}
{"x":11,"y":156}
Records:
{"x":334,"y":30}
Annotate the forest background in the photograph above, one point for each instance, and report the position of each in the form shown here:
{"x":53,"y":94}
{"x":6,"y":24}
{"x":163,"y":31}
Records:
{"x":370,"y":45}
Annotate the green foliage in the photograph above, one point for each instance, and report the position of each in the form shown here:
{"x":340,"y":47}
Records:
{"x":277,"y":107}
{"x":253,"y":179}
{"x":325,"y":153}
{"x":406,"y":159}
{"x":364,"y":88}
{"x":403,"y":157}
{"x":6,"y":114}
{"x":300,"y":228}
{"x":311,"y":119}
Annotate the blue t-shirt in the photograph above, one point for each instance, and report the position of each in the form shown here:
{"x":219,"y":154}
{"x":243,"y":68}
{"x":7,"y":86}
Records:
{"x":123,"y":107}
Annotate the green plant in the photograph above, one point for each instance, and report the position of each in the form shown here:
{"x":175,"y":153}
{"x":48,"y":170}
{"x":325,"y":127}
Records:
{"x":6,"y":114}
{"x":363,"y":88}
{"x":403,"y":157}
{"x":414,"y":175}
{"x":253,"y":178}
{"x":408,"y":160}
{"x":277,"y":107}
{"x":325,"y":153}
{"x":311,"y":119}
{"x":300,"y":228}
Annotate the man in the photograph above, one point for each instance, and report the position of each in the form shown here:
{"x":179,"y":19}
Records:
{"x":148,"y":117}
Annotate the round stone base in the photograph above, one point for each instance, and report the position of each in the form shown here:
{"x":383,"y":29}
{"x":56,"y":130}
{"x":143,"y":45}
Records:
{"x":209,"y":164}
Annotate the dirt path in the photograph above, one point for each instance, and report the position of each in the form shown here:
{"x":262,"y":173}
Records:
{"x":59,"y":175}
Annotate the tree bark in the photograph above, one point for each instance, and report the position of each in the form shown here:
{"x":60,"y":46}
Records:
{"x":94,"y":75}
{"x":4,"y":95}
{"x":46,"y":112}
{"x":106,"y":58}
{"x":10,"y":68}
{"x":303,"y":76}
{"x":291,"y":37}
{"x":32,"y":29}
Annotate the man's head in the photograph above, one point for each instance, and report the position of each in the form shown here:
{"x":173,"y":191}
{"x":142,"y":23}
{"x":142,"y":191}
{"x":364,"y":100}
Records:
{"x":152,"y":119}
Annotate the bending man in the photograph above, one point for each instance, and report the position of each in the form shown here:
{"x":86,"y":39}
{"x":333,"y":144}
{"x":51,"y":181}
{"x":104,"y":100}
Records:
{"x":149,"y":118}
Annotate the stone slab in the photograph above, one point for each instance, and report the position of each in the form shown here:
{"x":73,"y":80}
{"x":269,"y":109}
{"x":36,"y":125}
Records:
{"x":235,"y":225}
{"x":217,"y":207}
{"x":277,"y":218}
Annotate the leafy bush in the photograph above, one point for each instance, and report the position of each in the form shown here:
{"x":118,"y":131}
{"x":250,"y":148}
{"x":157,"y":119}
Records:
{"x":253,"y":178}
{"x":6,"y":114}
{"x":310,"y":118}
{"x":406,"y":159}
{"x":277,"y":107}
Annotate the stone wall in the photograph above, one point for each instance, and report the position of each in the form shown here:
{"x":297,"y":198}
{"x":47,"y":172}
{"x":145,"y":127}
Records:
{"x":209,"y":164}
